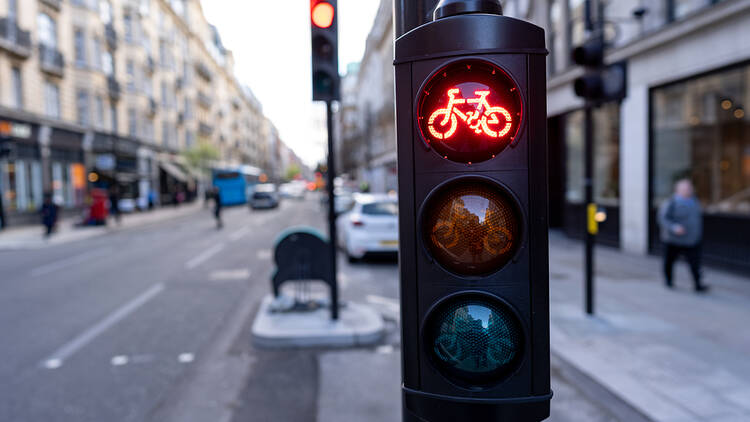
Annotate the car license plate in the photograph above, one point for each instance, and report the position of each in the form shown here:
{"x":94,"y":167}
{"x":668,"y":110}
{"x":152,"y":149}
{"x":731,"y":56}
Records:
{"x":389,"y":243}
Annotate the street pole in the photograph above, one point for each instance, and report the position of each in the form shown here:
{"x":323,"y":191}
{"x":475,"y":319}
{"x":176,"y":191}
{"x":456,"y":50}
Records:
{"x":409,"y":14}
{"x":588,"y":183}
{"x":332,"y":213}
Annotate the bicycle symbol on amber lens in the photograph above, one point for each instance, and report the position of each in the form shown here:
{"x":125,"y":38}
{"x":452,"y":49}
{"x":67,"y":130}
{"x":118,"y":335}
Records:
{"x":493,"y":121}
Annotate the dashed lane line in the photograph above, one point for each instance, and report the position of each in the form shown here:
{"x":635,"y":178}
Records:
{"x":56,"y":359}
{"x":204,"y":256}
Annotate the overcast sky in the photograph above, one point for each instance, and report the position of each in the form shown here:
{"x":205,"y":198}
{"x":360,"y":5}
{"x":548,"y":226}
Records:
{"x":270,"y":40}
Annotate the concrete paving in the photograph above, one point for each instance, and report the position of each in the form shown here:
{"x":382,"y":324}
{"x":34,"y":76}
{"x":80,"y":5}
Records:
{"x":673,"y":354}
{"x":358,"y":325}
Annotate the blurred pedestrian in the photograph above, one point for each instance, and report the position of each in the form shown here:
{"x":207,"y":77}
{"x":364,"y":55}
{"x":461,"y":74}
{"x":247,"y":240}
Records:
{"x":114,"y":202}
{"x":681,"y":226}
{"x":217,"y":207}
{"x":49,"y":214}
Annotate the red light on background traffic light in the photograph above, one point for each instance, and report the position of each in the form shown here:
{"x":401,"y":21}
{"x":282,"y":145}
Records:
{"x":322,"y":14}
{"x":469,"y":111}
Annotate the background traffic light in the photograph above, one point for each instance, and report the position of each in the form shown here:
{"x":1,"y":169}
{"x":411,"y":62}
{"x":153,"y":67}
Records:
{"x":601,"y":82}
{"x":324,"y":37}
{"x":471,"y":128}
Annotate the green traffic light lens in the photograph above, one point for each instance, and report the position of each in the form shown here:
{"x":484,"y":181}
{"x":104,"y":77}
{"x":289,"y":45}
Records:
{"x":474,"y":340}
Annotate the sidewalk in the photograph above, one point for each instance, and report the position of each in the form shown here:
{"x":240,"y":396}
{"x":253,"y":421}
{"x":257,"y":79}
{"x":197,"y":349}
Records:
{"x":674,"y":355}
{"x":31,"y":237}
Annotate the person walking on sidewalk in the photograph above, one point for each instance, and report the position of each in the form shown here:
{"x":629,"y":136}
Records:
{"x":49,"y":214}
{"x":681,"y":227}
{"x":114,"y":202}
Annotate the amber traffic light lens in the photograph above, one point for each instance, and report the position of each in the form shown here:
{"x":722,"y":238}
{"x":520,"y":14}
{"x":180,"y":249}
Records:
{"x":472,"y":227}
{"x":469,"y":111}
{"x":475,"y":340}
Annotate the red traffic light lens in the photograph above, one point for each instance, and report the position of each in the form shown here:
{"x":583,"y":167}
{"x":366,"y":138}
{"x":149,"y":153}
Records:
{"x":469,"y":111}
{"x":471,"y":227}
{"x":474,"y":339}
{"x":322,"y":14}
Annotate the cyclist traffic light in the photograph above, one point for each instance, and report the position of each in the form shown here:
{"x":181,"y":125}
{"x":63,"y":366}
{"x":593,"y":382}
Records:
{"x":472,"y":144}
{"x":324,"y":37}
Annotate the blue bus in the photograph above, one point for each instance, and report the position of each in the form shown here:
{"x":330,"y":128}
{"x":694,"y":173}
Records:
{"x":235,"y":184}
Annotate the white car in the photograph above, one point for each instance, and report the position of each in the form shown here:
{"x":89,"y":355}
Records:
{"x":369,"y":227}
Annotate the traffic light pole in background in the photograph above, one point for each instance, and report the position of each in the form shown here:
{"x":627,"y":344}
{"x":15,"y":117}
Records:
{"x":473,"y":232}
{"x":325,"y":87}
{"x":599,"y":84}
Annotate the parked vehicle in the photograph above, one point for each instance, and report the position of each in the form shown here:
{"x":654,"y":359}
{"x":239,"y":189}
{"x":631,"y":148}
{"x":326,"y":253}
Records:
{"x":369,"y":227}
{"x":264,"y":196}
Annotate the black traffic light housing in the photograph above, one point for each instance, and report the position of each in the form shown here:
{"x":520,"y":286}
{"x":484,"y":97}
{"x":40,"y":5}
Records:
{"x":325,"y":57}
{"x":472,"y":157}
{"x":600,"y":82}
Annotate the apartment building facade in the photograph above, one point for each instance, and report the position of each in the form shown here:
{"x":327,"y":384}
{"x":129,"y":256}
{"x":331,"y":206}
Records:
{"x":101,"y":92}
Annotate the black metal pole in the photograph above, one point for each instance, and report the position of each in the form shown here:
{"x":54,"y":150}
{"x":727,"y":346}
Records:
{"x":588,"y":184}
{"x":332,"y":213}
{"x":409,"y":14}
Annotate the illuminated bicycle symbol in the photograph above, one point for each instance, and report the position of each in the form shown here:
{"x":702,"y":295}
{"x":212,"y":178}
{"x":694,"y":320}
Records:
{"x":486,"y":119}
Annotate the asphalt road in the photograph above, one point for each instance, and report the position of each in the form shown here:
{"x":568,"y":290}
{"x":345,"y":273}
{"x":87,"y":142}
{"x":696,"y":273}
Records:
{"x":152,"y":323}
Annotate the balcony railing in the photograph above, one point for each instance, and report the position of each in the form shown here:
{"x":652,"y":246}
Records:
{"x":51,"y":60}
{"x":55,"y":4}
{"x":13,"y":39}
{"x":204,"y":100}
{"x":204,"y":129}
{"x":150,"y":64}
{"x":203,"y":71}
{"x":152,"y":106}
{"x":111,"y":36}
{"x":115,"y":92}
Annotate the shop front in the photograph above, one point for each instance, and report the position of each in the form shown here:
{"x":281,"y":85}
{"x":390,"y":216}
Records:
{"x":566,"y":172}
{"x":700,"y":130}
{"x":21,"y":184}
{"x":116,"y":164}
{"x":64,"y":168}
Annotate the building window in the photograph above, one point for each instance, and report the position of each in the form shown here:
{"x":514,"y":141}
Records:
{"x":558,"y":56}
{"x":132,"y":123}
{"x":99,"y":107}
{"x":80,"y":47}
{"x":678,"y":9}
{"x":606,"y":155}
{"x":97,"y":54}
{"x":105,"y":11}
{"x":47,"y":31}
{"x":701,"y":131}
{"x":130,"y":70}
{"x":108,"y":64}
{"x":128,"y":23}
{"x":576,"y":22}
{"x":51,"y":100}
{"x":17,"y":87}
{"x":164,"y":95}
{"x":13,"y":10}
{"x":82,"y":107}
{"x":113,"y":123}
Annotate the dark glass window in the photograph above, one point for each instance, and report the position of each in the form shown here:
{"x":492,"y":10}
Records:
{"x":701,"y":131}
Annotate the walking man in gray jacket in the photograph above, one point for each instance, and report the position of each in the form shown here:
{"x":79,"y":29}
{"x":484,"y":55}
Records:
{"x":681,"y":224}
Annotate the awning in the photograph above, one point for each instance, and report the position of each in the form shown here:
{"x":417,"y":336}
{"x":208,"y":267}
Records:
{"x":174,"y":171}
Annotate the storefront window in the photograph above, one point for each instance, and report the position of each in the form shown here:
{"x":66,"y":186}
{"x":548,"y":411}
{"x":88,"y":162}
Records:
{"x":21,"y":183}
{"x":701,"y":131}
{"x":606,"y":155}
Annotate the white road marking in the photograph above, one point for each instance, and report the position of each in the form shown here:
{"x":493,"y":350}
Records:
{"x":239,"y":234}
{"x":204,"y":256}
{"x":227,"y":275}
{"x":264,"y":254}
{"x":119,"y":360}
{"x":56,"y":359}
{"x":186,"y":357}
{"x":384,"y":349}
{"x":68,"y":262}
